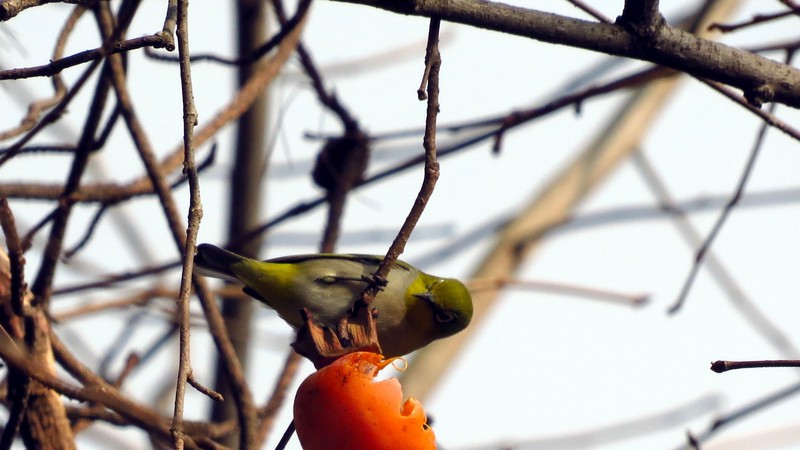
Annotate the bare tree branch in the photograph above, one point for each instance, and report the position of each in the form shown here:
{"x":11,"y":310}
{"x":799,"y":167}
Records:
{"x":666,"y":46}
{"x":10,"y":8}
{"x":195,"y":213}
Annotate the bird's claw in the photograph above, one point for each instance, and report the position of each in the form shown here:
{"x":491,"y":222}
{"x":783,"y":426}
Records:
{"x":375,"y":281}
{"x":375,"y":284}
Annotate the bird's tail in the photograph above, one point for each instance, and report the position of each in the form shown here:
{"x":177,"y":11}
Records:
{"x":212,"y":261}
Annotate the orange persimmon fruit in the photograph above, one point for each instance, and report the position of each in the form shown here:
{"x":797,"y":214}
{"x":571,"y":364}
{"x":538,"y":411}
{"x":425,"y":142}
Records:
{"x":341,"y":407}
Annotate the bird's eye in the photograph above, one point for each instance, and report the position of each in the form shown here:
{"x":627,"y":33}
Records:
{"x":327,"y":279}
{"x":444,"y":317}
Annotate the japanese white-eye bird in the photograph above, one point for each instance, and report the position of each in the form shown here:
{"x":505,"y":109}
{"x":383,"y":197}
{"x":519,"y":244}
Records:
{"x":414,"y":308}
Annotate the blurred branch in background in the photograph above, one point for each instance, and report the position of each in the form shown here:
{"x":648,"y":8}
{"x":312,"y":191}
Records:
{"x":245,"y":201}
{"x":737,"y":414}
{"x":607,"y":434}
{"x":726,"y":280}
{"x":612,"y":297}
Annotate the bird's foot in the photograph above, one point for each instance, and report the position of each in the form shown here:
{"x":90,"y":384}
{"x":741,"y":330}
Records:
{"x":375,"y":284}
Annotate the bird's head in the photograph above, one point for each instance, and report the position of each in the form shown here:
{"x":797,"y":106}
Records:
{"x":450,"y":303}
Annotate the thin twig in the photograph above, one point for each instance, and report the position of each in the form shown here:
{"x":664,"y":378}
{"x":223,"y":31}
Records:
{"x":170,"y":22}
{"x":35,"y":109}
{"x":70,"y":148}
{"x":766,"y":116}
{"x":205,"y":390}
{"x":51,"y":116}
{"x":755,"y":20}
{"x":726,"y":212}
{"x":328,"y":99}
{"x":287,"y":26}
{"x":783,"y":46}
{"x":131,"y":362}
{"x":119,"y":278}
{"x":591,"y":11}
{"x":724,"y":366}
{"x":138,"y":299}
{"x":431,"y":173}
{"x":94,"y":55}
{"x":195,"y":215}
{"x":69,"y":253}
{"x":743,"y":303}
{"x":734,"y":200}
{"x":286,"y":436}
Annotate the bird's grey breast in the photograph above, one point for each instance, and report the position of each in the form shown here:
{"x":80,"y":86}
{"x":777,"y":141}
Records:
{"x":333,"y":285}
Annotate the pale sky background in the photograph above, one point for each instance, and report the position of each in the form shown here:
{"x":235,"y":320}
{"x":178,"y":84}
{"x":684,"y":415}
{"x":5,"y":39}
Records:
{"x":542,"y":365}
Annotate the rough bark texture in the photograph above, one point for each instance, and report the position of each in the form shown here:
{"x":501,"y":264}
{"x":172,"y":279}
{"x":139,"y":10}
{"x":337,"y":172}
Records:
{"x":44,"y":421}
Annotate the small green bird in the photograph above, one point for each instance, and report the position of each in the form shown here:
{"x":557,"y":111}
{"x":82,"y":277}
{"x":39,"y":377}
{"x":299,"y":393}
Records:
{"x":414,"y":308}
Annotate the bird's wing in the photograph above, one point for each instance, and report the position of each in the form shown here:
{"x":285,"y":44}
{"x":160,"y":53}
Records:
{"x":368,"y":260}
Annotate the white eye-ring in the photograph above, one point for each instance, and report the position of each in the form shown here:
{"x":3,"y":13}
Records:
{"x":327,"y":279}
{"x":444,"y":317}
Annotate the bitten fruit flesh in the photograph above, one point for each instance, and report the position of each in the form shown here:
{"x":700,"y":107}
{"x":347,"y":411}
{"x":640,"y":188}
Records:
{"x":341,"y":407}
